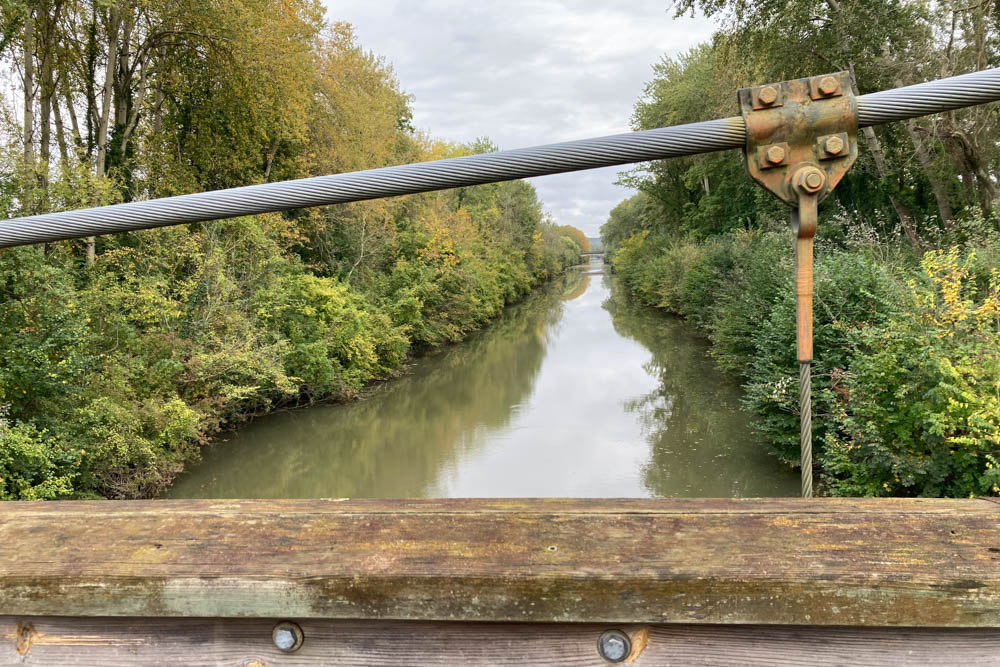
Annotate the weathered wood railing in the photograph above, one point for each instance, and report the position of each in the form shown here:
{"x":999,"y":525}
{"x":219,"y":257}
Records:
{"x":500,"y":581}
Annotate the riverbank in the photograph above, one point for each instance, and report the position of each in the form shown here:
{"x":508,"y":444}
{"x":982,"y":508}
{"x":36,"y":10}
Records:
{"x":576,"y":391}
{"x":906,"y":380}
{"x":112,"y":376}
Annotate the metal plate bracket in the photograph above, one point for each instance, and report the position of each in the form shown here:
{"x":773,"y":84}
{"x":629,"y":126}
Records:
{"x":799,"y":123}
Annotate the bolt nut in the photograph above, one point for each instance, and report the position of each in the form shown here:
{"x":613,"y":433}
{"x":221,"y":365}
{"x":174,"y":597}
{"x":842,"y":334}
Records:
{"x":810,"y":179}
{"x":287,"y":636}
{"x":833,"y":145}
{"x":614,"y":646}
{"x":828,"y":85}
{"x":767,"y":95}
{"x":775,"y":154}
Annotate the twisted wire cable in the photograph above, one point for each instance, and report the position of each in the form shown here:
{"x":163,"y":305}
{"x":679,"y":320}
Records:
{"x":676,"y":141}
{"x":927,"y":98}
{"x":376,"y":183}
{"x":805,"y":427}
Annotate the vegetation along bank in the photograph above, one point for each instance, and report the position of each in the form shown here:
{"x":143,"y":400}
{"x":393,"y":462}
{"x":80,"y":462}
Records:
{"x":121,"y":355}
{"x":906,"y":388}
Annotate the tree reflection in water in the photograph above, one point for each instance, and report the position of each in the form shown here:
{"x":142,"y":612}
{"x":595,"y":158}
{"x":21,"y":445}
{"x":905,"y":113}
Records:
{"x":575,"y":392}
{"x":396,"y":441}
{"x":700,"y":442}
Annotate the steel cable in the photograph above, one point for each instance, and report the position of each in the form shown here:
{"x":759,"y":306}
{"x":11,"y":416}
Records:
{"x":376,"y":183}
{"x":676,"y":141}
{"x":931,"y":97}
{"x":805,"y":427}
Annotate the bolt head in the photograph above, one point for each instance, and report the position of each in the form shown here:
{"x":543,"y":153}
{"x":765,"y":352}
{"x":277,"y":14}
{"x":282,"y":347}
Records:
{"x":833,"y":145}
{"x":775,"y":154}
{"x":614,"y":646}
{"x":767,"y":95}
{"x":287,"y":636}
{"x":810,"y":179}
{"x":828,"y":85}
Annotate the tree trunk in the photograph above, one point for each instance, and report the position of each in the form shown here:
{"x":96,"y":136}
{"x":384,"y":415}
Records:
{"x":131,"y":118}
{"x":123,"y":73}
{"x":29,"y":92}
{"x":270,"y":160}
{"x":114,"y":21}
{"x":882,"y":166}
{"x":90,"y":83}
{"x":68,"y":99}
{"x":109,"y":80}
{"x":938,"y":186}
{"x":60,"y":132}
{"x":45,"y":117}
{"x":972,"y":159}
{"x":158,"y":94}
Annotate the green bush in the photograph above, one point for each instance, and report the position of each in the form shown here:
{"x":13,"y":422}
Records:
{"x":32,"y":466}
{"x":851,"y":291}
{"x":920,"y":414}
{"x":906,"y":379}
{"x":113,"y":375}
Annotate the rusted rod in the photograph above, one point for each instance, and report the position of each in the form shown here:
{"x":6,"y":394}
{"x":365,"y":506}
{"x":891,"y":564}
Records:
{"x":805,"y":220}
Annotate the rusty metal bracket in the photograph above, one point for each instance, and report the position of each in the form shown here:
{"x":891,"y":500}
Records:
{"x":801,"y":138}
{"x":801,"y":123}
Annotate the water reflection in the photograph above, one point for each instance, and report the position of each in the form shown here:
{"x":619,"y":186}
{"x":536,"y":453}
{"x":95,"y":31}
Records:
{"x":575,"y":392}
{"x":698,"y":437}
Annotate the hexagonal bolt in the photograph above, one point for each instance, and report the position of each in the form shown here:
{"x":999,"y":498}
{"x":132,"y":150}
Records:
{"x":775,"y":154}
{"x":833,"y":145}
{"x":614,"y":645}
{"x":810,"y":179}
{"x":767,"y":95}
{"x":287,"y":636}
{"x":828,"y":85}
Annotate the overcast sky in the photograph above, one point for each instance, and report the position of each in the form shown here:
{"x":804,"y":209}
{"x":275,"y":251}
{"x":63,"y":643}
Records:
{"x":526,"y":72}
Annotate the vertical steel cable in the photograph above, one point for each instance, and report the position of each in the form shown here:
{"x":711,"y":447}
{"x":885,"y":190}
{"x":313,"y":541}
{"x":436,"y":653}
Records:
{"x":805,"y":427}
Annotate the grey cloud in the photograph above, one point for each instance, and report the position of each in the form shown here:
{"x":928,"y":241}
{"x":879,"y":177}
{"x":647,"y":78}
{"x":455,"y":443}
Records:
{"x":526,"y":72}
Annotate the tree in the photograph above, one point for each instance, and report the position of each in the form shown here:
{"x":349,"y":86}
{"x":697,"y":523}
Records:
{"x":577,"y":236}
{"x":883,"y":44}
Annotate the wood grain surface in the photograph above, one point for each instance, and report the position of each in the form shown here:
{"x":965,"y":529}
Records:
{"x":114,"y":642}
{"x":933,"y":563}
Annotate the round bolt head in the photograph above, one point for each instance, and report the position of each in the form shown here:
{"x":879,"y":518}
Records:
{"x":775,"y":154}
{"x":614,"y":646}
{"x":767,"y":95}
{"x":828,"y":85}
{"x":287,"y":636}
{"x":814,"y":180}
{"x":833,"y":145}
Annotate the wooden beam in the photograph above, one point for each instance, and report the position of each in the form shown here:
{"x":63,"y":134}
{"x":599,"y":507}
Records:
{"x":195,"y":642}
{"x":811,"y":562}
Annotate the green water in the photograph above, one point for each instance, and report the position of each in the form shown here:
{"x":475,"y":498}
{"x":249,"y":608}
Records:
{"x":577,"y":392}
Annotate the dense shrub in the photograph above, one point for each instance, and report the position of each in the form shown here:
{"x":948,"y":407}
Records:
{"x":920,"y":410}
{"x":113,"y":375}
{"x":906,"y":380}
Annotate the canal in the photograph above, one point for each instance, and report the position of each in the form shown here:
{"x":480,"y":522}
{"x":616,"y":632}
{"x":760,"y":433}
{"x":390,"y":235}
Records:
{"x":576,"y":392}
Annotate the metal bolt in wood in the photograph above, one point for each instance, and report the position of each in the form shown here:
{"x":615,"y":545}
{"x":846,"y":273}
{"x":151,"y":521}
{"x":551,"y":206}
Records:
{"x":614,"y":646}
{"x":287,"y":637}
